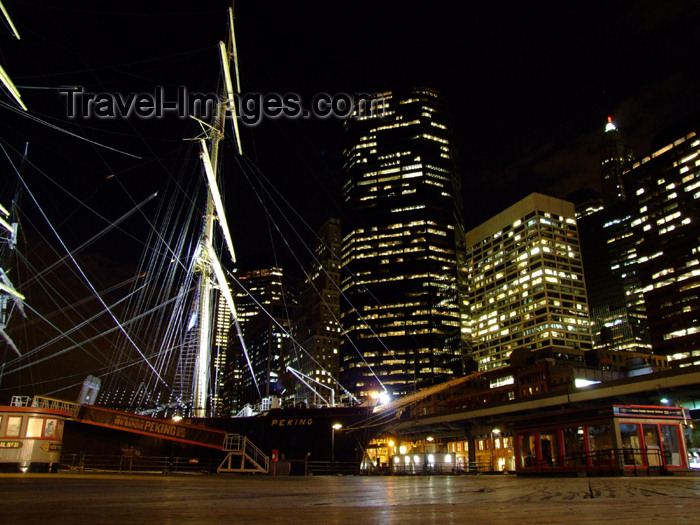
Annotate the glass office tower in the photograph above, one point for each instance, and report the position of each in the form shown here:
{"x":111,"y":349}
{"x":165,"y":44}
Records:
{"x":404,"y":217}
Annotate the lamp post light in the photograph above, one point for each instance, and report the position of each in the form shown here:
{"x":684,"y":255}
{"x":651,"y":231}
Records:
{"x":389,"y":450}
{"x":336,"y":426}
{"x":175,"y":419}
{"x":494,"y":432}
{"x":426,"y":463}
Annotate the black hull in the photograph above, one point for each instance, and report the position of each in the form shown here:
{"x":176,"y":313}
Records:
{"x":297,"y":432}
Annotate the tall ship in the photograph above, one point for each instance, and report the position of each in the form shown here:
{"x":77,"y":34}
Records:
{"x":172,"y":346}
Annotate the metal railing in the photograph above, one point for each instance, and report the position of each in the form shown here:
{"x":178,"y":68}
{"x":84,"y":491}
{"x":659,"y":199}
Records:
{"x":143,"y":464}
{"x":433,"y":469}
{"x":58,"y":404}
{"x":238,"y":443}
{"x":611,"y":461}
{"x":45,"y":402}
{"x":353,"y":468}
{"x":335,"y":468}
{"x":20,"y":401}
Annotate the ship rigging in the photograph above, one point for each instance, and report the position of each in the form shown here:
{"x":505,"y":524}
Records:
{"x":156,"y":344}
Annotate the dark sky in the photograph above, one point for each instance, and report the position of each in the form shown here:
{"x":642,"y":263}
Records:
{"x":530,"y":85}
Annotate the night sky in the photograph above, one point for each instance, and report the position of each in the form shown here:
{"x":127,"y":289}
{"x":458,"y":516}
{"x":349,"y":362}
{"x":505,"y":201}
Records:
{"x":530,"y":85}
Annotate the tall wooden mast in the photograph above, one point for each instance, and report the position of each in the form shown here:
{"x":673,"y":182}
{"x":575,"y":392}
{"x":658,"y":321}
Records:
{"x":211,"y":273}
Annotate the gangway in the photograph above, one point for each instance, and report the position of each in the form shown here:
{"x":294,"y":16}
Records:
{"x":243,"y":456}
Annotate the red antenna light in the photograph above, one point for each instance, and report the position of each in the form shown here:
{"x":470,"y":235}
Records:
{"x":610,"y":120}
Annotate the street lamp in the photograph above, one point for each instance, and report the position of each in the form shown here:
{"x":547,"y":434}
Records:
{"x":494,"y":432}
{"x":336,"y":426}
{"x":389,"y":450}
{"x":175,"y":419}
{"x":429,"y":439}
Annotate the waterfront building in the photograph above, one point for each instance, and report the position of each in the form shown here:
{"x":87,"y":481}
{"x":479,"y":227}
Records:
{"x":526,"y":295}
{"x":554,"y":418}
{"x":403,"y":200}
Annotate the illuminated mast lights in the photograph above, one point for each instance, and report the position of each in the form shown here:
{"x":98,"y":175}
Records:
{"x":4,"y":77}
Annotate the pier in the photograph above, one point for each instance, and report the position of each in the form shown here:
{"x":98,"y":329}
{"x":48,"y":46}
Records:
{"x":193,"y":499}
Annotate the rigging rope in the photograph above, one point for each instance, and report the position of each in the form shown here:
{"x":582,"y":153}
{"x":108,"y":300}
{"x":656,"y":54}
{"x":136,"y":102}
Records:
{"x":34,"y":118}
{"x":311,"y":252}
{"x":87,"y":281}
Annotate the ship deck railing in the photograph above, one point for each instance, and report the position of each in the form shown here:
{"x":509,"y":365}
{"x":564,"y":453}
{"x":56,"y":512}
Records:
{"x":45,"y":402}
{"x":21,"y":401}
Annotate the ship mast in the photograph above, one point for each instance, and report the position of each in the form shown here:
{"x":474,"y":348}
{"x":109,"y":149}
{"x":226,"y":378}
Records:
{"x":9,"y":296}
{"x":207,"y":264}
{"x":204,"y":266}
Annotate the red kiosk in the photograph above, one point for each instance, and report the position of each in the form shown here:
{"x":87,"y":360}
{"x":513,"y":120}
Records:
{"x":609,"y":439}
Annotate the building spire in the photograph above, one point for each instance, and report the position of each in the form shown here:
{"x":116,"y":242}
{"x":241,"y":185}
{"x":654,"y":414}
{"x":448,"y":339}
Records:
{"x":614,"y":157}
{"x":610,"y":126}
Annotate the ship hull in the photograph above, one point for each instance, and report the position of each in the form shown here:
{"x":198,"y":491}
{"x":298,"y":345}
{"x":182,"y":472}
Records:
{"x":299,"y":434}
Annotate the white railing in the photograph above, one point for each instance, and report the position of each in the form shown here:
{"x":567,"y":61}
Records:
{"x":256,"y":454}
{"x":56,"y":404}
{"x":246,"y":411}
{"x":20,"y":401}
{"x":45,"y":402}
{"x":233,"y":443}
{"x":236,"y":445}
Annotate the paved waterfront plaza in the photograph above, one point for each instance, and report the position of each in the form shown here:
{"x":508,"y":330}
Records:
{"x":159,"y":499}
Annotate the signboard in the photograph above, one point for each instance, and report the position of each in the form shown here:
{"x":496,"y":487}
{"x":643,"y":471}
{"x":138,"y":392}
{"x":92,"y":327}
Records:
{"x":649,"y":411}
{"x":160,"y":428}
{"x":10,"y":444}
{"x":292,"y":422}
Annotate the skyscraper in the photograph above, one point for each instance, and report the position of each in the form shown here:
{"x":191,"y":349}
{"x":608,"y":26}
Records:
{"x":613,"y":161}
{"x":221,"y":342}
{"x":317,"y":329}
{"x":609,"y":251}
{"x":664,"y":187}
{"x":403,"y":202}
{"x":264,"y":304}
{"x":526,"y":292}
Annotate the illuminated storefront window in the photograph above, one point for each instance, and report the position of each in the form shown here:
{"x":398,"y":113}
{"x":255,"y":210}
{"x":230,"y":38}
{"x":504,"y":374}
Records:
{"x":631,"y":444}
{"x":528,"y":452}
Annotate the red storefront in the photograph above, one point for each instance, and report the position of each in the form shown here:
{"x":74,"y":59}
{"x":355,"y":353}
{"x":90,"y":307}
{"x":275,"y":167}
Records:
{"x":615,"y":439}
